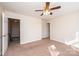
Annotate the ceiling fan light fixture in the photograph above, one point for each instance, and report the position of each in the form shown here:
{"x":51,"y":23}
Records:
{"x":46,"y":12}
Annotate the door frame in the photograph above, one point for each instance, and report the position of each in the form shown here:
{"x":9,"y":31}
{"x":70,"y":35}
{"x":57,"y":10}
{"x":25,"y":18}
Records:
{"x":4,"y":48}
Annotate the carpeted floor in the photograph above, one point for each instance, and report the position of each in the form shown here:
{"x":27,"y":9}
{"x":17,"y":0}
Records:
{"x":39,"y":48}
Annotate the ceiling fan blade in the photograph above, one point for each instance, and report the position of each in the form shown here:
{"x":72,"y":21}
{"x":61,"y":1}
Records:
{"x":41,"y":14}
{"x":55,"y":8}
{"x":38,"y":10}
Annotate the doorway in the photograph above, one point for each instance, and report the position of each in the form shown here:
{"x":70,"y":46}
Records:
{"x":48,"y":28}
{"x":13,"y":31}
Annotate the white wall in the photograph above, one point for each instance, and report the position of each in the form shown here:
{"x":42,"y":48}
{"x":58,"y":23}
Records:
{"x":30,"y":28}
{"x":64,"y":28}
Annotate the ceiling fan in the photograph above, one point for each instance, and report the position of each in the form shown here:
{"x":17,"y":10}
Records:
{"x":48,"y":10}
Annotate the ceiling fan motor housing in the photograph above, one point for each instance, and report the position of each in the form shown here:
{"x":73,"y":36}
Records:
{"x":51,"y":13}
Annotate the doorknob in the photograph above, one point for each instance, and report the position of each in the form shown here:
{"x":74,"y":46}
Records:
{"x":3,"y":35}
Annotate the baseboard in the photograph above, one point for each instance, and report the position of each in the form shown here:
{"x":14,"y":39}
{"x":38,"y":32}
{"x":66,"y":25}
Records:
{"x":58,"y":41}
{"x":46,"y":38}
{"x":29,"y":41}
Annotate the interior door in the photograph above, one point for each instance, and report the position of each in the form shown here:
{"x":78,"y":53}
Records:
{"x":4,"y":34}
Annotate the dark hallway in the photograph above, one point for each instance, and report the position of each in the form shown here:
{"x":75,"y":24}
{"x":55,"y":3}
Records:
{"x":13,"y":30}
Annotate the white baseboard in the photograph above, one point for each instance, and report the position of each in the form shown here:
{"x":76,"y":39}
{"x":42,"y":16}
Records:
{"x":58,"y":41}
{"x":29,"y":41}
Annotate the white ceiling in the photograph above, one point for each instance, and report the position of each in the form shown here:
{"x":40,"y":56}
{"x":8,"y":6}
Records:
{"x":28,"y":8}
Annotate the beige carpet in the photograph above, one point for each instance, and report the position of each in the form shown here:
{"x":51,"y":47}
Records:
{"x":39,"y":48}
